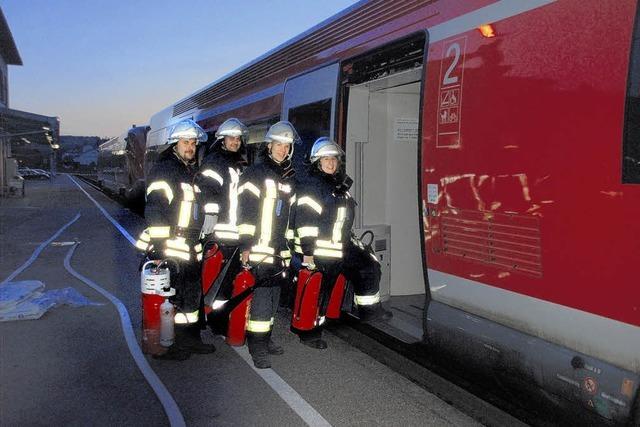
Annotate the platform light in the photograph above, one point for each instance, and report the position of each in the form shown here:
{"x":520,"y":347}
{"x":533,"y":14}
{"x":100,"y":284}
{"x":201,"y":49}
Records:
{"x":487,"y":30}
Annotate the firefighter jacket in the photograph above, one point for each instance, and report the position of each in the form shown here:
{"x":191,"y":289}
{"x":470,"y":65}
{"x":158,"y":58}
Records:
{"x":171,"y":210}
{"x":218,"y":180}
{"x":324,"y":214}
{"x":265,"y":196}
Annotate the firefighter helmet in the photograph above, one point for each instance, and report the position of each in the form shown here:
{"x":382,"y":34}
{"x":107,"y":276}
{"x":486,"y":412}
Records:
{"x":232,"y":127}
{"x":187,"y":129}
{"x":324,"y":147}
{"x":284,"y":133}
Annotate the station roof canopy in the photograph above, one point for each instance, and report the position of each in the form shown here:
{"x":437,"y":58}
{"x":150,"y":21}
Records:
{"x":8,"y":48}
{"x":22,"y":127}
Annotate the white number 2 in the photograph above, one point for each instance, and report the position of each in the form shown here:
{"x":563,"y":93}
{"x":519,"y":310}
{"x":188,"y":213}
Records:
{"x":448,"y":79}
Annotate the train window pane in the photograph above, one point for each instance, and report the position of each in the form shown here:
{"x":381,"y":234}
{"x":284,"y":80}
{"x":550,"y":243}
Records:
{"x":631,"y":138}
{"x":257,"y":131}
{"x":311,"y":121}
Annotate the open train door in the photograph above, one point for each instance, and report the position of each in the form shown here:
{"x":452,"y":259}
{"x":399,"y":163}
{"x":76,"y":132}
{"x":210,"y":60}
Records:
{"x":310,"y":105}
{"x":381,"y":92}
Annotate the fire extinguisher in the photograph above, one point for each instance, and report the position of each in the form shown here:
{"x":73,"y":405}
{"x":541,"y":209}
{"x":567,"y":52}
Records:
{"x":211,"y":266}
{"x":337,"y":295}
{"x":236,"y":332}
{"x":305,"y":308}
{"x":155,"y":291}
{"x":167,"y":323}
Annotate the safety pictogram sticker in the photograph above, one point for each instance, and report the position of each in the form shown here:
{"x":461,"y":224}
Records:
{"x":590,"y":385}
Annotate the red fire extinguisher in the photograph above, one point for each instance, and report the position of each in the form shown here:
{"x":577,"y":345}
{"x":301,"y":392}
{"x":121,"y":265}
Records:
{"x":236,"y":333}
{"x":211,"y":266}
{"x":155,"y":289}
{"x":305,"y":308}
{"x":337,"y":295}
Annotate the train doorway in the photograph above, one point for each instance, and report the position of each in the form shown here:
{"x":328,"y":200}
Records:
{"x":381,"y":142}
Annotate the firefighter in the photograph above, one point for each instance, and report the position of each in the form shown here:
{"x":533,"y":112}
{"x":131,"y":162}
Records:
{"x":324,"y":216}
{"x":218,"y":180}
{"x":172,"y":216}
{"x":265,"y":196}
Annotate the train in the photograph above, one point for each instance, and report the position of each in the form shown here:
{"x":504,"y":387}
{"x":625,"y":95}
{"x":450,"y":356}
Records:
{"x":120,"y":166}
{"x":494,"y":147}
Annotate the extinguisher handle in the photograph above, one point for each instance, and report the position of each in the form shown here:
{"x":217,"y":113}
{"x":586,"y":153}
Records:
{"x":144,"y":266}
{"x":309,"y":266}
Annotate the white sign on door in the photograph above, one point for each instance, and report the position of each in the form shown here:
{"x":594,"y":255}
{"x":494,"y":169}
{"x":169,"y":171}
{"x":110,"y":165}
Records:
{"x":405,"y":130}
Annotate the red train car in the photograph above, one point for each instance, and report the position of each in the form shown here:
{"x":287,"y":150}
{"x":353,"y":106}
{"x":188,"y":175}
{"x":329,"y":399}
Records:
{"x":121,"y":165}
{"x":495,"y":148}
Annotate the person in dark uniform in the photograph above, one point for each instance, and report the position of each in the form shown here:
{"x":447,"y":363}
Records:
{"x":218,"y":179}
{"x":172,"y":233}
{"x":324,"y":215}
{"x":266,"y":194}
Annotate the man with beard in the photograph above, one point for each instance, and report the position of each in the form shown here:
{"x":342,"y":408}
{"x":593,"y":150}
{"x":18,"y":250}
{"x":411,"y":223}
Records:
{"x":172,"y":216}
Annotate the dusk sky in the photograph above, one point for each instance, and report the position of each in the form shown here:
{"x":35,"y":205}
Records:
{"x":103,"y":65}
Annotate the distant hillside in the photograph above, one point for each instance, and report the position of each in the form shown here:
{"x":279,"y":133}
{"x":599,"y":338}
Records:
{"x":79,"y":153}
{"x":75,"y":143}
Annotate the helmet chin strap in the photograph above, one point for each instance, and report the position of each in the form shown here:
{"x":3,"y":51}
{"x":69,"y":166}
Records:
{"x":224,"y":145}
{"x":287,"y":157}
{"x":182,"y":159}
{"x":272,"y":158}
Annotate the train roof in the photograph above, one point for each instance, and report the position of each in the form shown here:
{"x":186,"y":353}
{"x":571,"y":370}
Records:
{"x":120,"y":142}
{"x":353,"y":21}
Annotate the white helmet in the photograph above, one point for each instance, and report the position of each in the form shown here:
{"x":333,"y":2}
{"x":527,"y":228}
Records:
{"x":187,"y":129}
{"x":324,"y":147}
{"x":284,"y":133}
{"x":232,"y":127}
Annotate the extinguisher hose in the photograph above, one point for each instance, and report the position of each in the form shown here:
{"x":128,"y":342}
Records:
{"x":217,"y":249}
{"x":372,"y":237}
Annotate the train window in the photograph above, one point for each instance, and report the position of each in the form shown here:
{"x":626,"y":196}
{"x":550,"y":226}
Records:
{"x":257,"y":131}
{"x":311,"y":121}
{"x":631,"y":137}
{"x":394,"y":58}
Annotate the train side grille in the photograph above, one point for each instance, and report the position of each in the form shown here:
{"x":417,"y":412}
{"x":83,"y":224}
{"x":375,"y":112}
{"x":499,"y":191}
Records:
{"x":510,"y":242}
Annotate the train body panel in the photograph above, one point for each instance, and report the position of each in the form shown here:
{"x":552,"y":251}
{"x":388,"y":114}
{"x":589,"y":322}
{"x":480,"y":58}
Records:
{"x":511,"y":186}
{"x":486,"y":144}
{"x":121,"y":164}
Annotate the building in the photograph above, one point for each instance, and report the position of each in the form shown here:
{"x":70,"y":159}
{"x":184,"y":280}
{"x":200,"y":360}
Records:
{"x":25,"y":137}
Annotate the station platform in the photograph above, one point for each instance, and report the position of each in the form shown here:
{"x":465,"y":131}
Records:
{"x":73,"y":365}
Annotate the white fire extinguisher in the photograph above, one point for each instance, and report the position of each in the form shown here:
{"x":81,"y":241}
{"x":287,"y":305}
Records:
{"x":167,"y":316}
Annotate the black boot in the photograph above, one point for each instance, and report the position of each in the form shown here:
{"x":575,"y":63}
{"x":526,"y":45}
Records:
{"x":313,"y":339}
{"x":274,"y":348}
{"x":258,"y":344}
{"x":188,"y":339}
{"x":370,"y":313}
{"x":173,"y":353}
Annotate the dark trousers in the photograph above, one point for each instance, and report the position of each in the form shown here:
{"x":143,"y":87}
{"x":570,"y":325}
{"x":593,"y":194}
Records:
{"x":266,"y":295}
{"x":358,"y":266}
{"x":185,"y":279}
